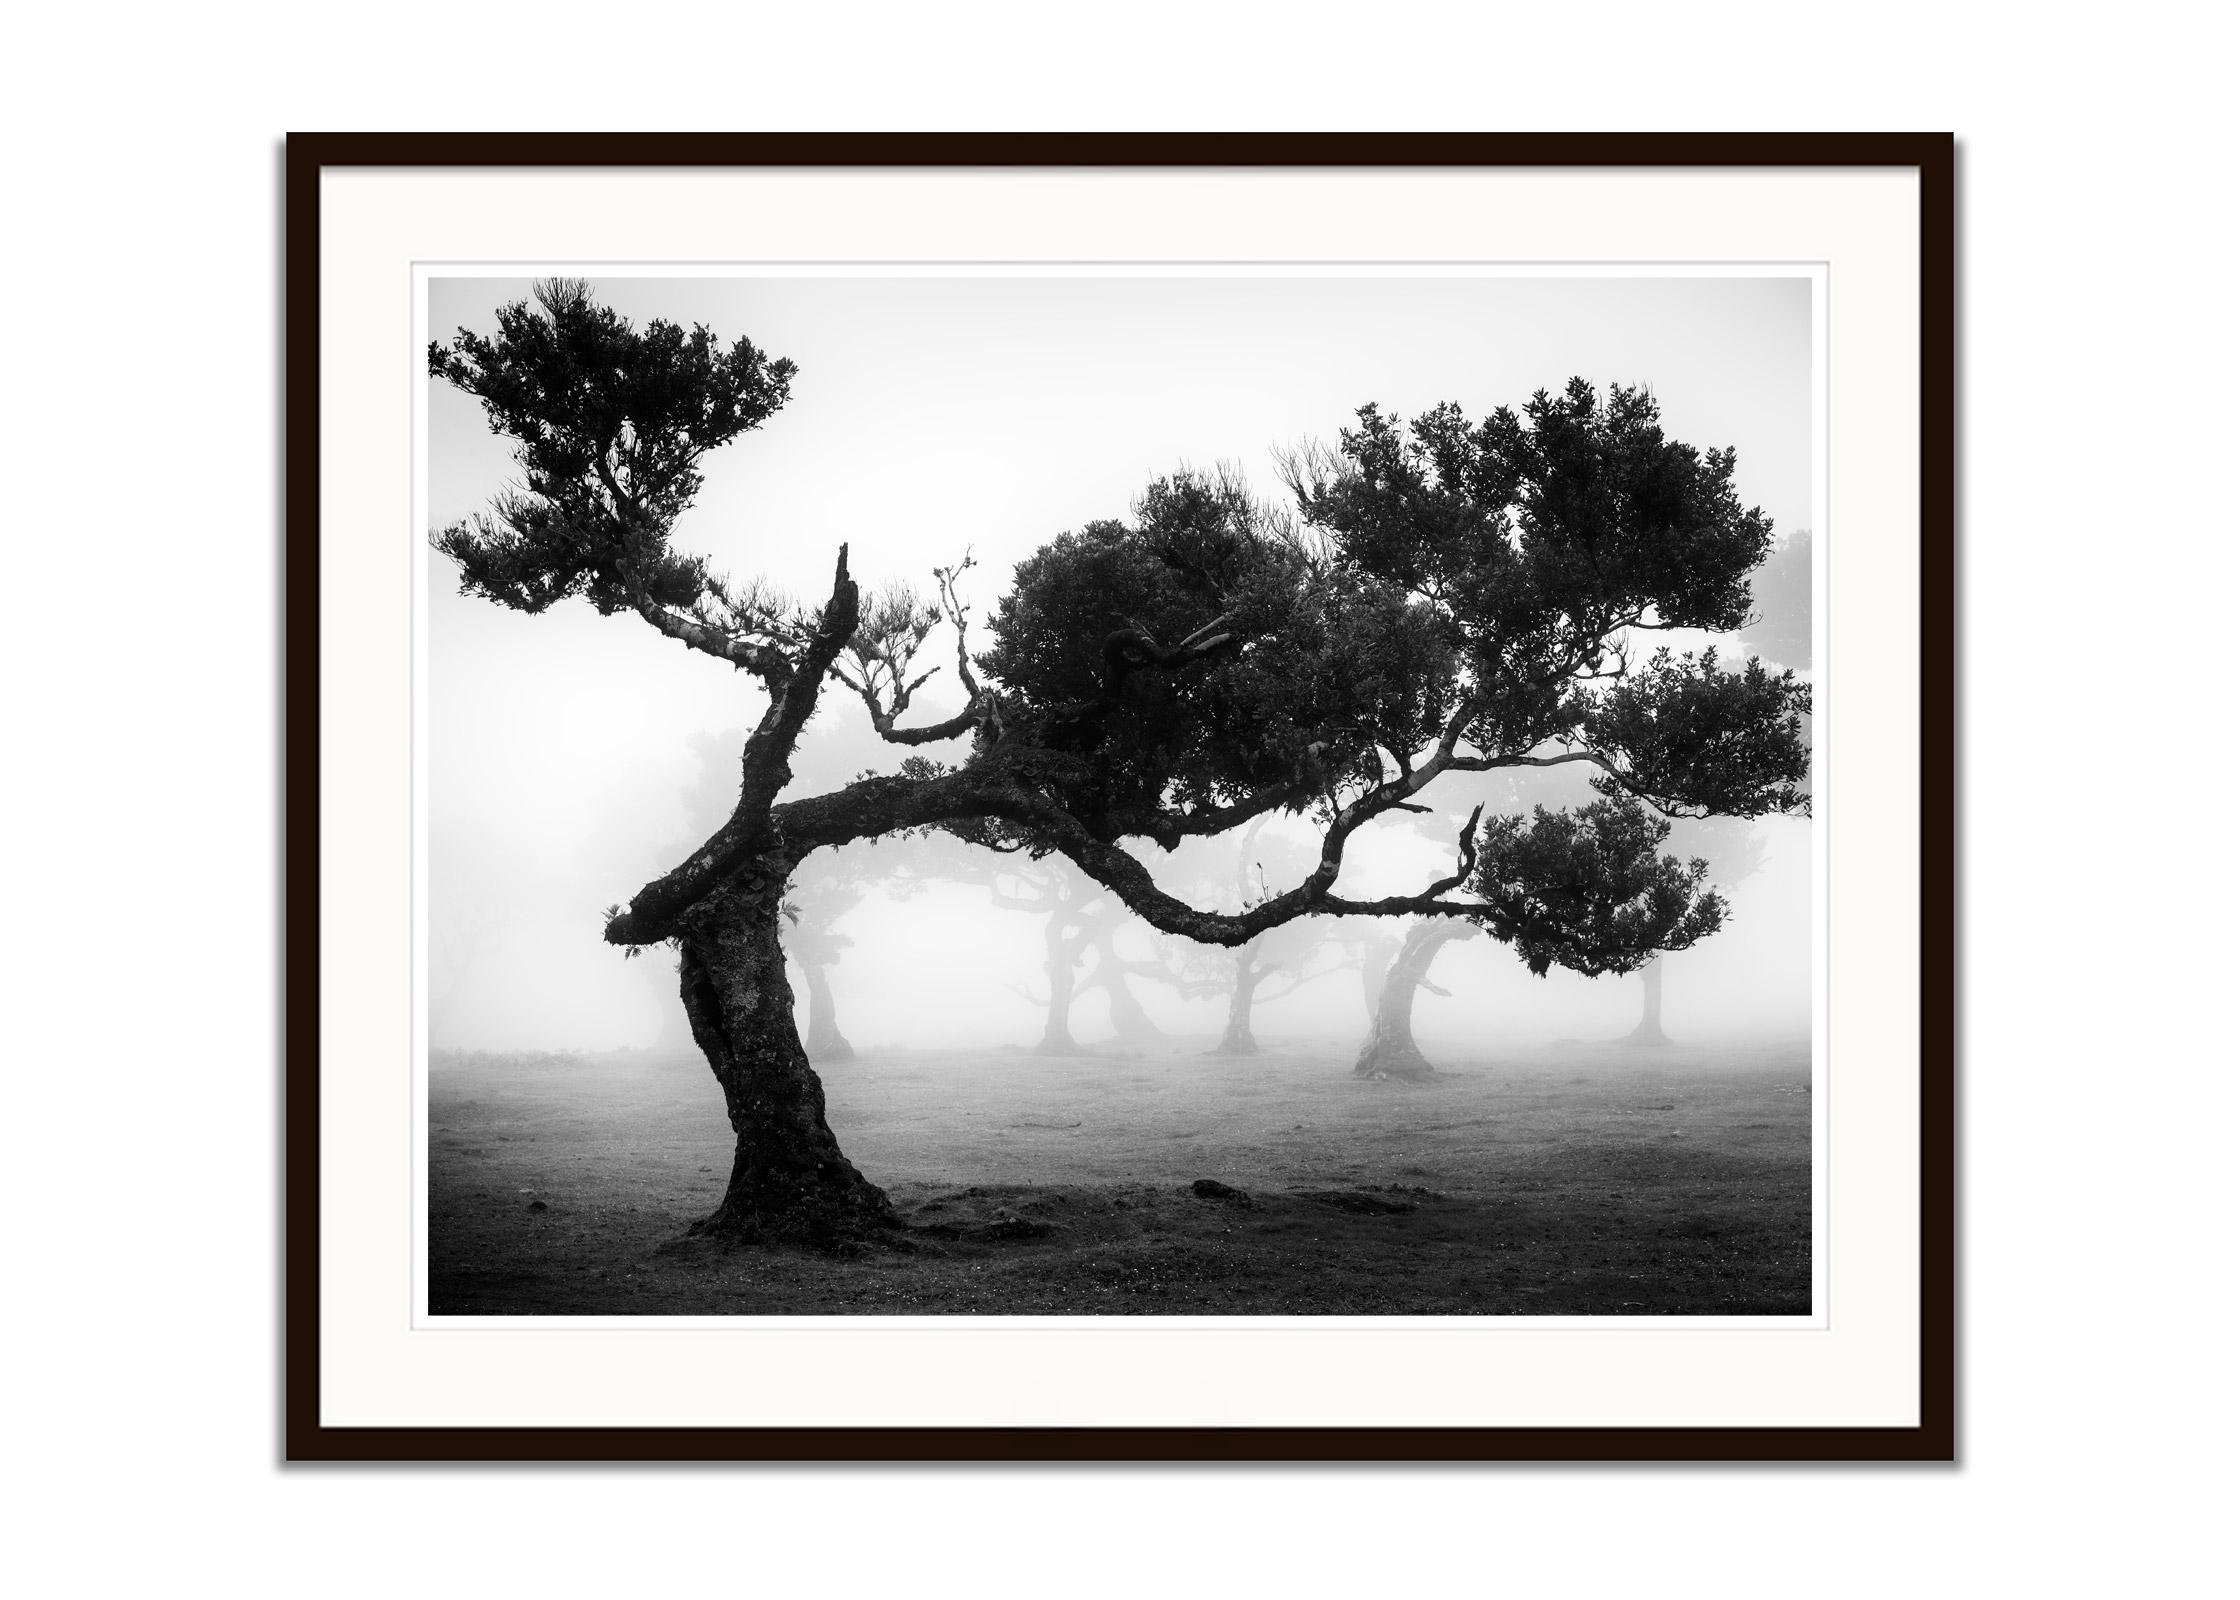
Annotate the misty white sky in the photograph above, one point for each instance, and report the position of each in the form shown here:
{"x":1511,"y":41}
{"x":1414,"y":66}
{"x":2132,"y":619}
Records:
{"x":934,"y":414}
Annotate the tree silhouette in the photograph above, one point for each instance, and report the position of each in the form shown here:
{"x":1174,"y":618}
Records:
{"x":1733,"y":849}
{"x":1452,"y":597}
{"x":1067,"y":901}
{"x":1070,"y":905}
{"x":1235,"y":874}
{"x":1396,"y":965}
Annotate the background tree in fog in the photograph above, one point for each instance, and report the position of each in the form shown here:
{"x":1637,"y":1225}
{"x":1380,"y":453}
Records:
{"x":1734,"y":847}
{"x":1084,"y":926}
{"x":1781,"y":604}
{"x":1452,"y":596}
{"x":1045,"y":887}
{"x":1396,"y":965}
{"x":1114,"y":973}
{"x":820,"y":896}
{"x":1236,"y":874}
{"x":1066,"y":901}
{"x":1389,"y":1050}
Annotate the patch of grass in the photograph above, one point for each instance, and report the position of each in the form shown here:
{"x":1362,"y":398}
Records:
{"x":1036,"y":1185}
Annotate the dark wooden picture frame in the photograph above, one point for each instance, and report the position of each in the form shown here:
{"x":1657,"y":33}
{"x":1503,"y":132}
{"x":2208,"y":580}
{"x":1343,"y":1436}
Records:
{"x":1931,"y":156}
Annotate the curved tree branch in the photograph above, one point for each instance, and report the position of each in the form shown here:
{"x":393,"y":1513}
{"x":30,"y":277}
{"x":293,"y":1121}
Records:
{"x":766,"y":769}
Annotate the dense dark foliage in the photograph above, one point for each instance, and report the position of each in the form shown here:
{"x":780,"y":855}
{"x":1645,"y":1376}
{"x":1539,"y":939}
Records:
{"x":1586,"y":889}
{"x":610,"y":423}
{"x":1077,"y":656}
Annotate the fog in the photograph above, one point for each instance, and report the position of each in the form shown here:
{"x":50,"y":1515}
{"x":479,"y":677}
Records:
{"x":571,"y":758}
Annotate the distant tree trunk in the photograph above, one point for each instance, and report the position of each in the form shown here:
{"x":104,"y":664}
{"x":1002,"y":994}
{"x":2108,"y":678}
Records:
{"x":789,"y":1182}
{"x":1236,"y":1038}
{"x":1650,"y":1030}
{"x":1061,"y":955}
{"x":1376,"y":965}
{"x":1131,"y":1024}
{"x":1390,"y":1049}
{"x":823,"y":1041}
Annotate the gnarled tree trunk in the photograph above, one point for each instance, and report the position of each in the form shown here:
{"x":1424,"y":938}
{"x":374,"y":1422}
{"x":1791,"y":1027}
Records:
{"x":823,"y":1040}
{"x":1390,"y":1050}
{"x":789,"y":1182}
{"x":1650,"y":1030}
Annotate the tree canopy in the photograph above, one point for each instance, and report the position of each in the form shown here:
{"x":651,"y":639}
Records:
{"x":609,"y":423}
{"x":1439,"y":596}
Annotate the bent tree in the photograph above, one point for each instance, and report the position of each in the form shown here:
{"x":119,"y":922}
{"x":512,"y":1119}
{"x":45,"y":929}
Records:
{"x":1588,"y":890}
{"x":1114,"y":975}
{"x":1079,"y":918}
{"x":1448,"y":597}
{"x":1395,"y":967}
{"x":1272,"y":965}
{"x":1390,"y":1049}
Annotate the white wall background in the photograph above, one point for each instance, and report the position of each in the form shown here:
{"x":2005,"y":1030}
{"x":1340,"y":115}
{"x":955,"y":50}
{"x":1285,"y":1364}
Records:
{"x":140,"y":648}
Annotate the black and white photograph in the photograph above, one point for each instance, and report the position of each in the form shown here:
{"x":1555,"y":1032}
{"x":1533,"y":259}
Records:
{"x":1172,"y":792}
{"x":1013,"y":800}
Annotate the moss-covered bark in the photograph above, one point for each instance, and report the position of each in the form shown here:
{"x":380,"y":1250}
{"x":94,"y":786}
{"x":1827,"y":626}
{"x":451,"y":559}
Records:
{"x":789,"y":1182}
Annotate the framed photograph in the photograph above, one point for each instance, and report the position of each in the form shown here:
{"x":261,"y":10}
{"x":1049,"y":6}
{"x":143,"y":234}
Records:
{"x":1120,"y":797}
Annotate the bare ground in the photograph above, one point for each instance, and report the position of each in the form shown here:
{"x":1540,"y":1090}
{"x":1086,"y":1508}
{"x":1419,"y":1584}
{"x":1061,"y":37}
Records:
{"x":1581,"y":1179}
